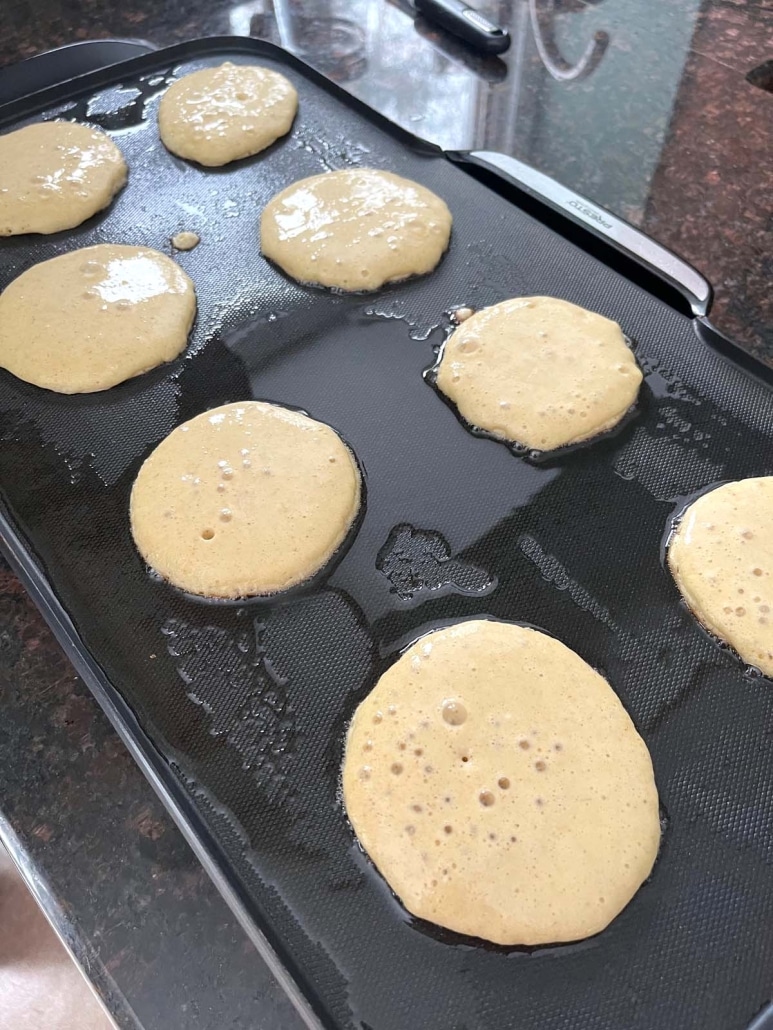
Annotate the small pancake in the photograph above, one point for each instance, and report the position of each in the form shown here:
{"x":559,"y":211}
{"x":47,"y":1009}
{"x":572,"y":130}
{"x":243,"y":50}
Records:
{"x":185,"y":240}
{"x":55,"y":175}
{"x":721,"y":556}
{"x":218,"y":115}
{"x":90,"y":319}
{"x":247,"y":499}
{"x":355,"y":230}
{"x":501,"y":788}
{"x":539,"y":372}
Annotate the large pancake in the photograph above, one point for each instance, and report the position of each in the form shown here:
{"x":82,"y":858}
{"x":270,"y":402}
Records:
{"x":500,"y":787}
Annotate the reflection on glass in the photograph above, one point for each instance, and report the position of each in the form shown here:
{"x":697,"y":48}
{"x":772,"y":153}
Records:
{"x":585,"y":92}
{"x":541,"y":16}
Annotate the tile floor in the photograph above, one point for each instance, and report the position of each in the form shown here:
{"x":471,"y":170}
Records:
{"x":40,"y":987}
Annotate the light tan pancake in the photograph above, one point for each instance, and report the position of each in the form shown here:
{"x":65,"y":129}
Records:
{"x":92,"y":318}
{"x":218,"y":115}
{"x":55,"y":175}
{"x":721,"y":556}
{"x":355,"y":229}
{"x":246,"y":499}
{"x":500,"y":787}
{"x":540,"y":372}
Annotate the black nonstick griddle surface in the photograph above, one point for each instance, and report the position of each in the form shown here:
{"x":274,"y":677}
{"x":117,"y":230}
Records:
{"x":240,"y":710}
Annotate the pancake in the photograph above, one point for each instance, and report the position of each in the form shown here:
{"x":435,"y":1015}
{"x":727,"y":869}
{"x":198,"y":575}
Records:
{"x":501,"y":789}
{"x":218,"y":115}
{"x":355,"y":230}
{"x":539,"y":372}
{"x":721,"y":557}
{"x":92,"y":318}
{"x":55,"y":175}
{"x":246,"y":499}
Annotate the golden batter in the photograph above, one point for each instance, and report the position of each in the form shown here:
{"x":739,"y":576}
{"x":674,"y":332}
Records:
{"x":218,"y":115}
{"x":500,"y":787}
{"x":246,"y":499}
{"x":721,"y":556}
{"x":539,"y":372}
{"x":92,"y":318}
{"x":55,"y":175}
{"x":185,"y":240}
{"x":355,"y":230}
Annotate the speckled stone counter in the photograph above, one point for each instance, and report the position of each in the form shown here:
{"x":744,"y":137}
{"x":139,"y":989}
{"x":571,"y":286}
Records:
{"x":126,"y":894}
{"x":646,"y":108}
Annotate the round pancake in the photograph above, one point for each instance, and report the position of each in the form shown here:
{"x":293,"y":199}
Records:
{"x":55,"y":175}
{"x":500,"y":787}
{"x":539,"y":372}
{"x":721,"y":556}
{"x":92,"y":318}
{"x":218,"y":115}
{"x":355,"y":230}
{"x":246,"y":499}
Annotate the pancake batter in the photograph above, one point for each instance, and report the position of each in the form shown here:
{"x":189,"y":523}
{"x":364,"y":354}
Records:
{"x":55,"y":175}
{"x":90,"y":319}
{"x":218,"y":115}
{"x":501,"y":788}
{"x":539,"y":372}
{"x":355,"y":230}
{"x":249,"y":498}
{"x":721,"y":556}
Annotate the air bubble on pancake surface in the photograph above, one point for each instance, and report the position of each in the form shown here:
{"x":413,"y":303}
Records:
{"x":454,"y":713}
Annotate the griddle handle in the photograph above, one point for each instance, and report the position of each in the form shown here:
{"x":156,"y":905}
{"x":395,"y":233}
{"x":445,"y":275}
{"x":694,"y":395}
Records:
{"x":55,"y":67}
{"x":607,"y":227}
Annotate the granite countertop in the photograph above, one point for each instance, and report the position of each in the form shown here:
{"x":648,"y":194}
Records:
{"x":669,"y":124}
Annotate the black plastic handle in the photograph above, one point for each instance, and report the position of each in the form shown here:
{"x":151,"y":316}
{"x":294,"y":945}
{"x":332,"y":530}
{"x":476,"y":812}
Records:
{"x":65,"y":63}
{"x":624,"y":237}
{"x":464,"y":21}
